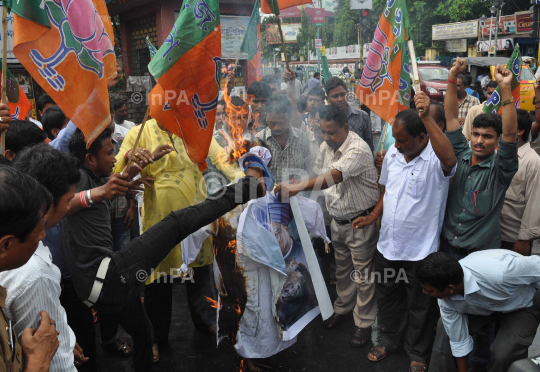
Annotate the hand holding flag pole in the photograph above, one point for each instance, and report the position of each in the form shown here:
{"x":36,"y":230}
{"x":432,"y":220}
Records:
{"x":414,"y":65}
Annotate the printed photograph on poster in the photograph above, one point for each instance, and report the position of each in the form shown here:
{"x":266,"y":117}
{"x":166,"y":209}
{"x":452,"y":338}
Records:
{"x":502,"y":44}
{"x":290,"y":33}
{"x":297,"y":305}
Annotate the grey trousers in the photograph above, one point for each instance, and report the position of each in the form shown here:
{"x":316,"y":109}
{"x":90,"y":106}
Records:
{"x":354,"y":251}
{"x":515,"y":335}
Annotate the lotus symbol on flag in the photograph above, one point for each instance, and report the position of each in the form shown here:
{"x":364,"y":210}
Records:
{"x":376,"y":70}
{"x":82,"y":32}
{"x":201,"y":108}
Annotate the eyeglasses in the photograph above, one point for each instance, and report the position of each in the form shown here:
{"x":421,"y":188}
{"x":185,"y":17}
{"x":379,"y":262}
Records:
{"x":223,"y":114}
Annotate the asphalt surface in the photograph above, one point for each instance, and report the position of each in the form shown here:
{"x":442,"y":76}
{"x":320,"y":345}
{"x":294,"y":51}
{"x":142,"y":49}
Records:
{"x":317,"y":349}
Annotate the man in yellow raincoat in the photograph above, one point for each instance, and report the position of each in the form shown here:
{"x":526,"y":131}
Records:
{"x":178,"y":184}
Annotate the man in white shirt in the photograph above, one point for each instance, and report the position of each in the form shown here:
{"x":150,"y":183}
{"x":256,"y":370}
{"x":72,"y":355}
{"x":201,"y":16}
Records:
{"x":297,"y":88}
{"x":475,"y":291}
{"x":36,"y":286}
{"x":119,"y":112}
{"x":416,"y":172}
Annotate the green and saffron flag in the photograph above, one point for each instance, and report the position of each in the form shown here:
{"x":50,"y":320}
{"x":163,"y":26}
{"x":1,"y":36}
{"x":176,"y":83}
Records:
{"x":274,"y":6}
{"x":188,"y":69}
{"x":152,"y":48}
{"x":385,"y":84}
{"x":68,"y":48}
{"x":18,"y":103}
{"x":251,"y":45}
{"x":493,"y":105}
{"x":324,"y":65}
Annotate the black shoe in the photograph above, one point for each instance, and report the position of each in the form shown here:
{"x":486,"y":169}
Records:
{"x":334,"y":321}
{"x":361,"y":337}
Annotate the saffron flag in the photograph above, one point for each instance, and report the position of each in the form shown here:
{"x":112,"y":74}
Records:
{"x":252,"y":41}
{"x":385,"y":84}
{"x":494,"y":104}
{"x":274,"y":6}
{"x":324,"y":65}
{"x":18,"y":103}
{"x":68,"y":48}
{"x":188,"y":69}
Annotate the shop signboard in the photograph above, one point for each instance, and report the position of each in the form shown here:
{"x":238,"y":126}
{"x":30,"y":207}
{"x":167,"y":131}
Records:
{"x":507,"y":25}
{"x":459,"y":30}
{"x":290,"y":32}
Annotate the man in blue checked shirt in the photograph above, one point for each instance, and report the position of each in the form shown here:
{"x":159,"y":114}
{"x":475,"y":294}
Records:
{"x":484,"y":286}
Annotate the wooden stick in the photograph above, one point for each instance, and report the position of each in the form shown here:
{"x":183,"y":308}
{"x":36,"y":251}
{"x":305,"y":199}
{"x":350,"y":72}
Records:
{"x":283,"y":42}
{"x":384,"y":135}
{"x":416,"y":81}
{"x":128,"y":165}
{"x":4,"y":72}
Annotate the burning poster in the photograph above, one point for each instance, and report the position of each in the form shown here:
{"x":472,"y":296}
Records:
{"x":266,"y":296}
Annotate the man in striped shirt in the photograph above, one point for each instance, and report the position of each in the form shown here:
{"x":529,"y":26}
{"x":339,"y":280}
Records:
{"x":36,"y":285}
{"x":348,"y":175}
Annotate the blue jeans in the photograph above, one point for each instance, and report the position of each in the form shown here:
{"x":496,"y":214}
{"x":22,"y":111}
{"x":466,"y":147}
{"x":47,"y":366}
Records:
{"x":120,"y":233}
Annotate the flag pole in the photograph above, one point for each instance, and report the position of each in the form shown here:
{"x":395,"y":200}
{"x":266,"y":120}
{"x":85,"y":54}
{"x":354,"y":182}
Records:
{"x":282,"y":42}
{"x":128,"y":165}
{"x":4,"y":72}
{"x":416,"y":80}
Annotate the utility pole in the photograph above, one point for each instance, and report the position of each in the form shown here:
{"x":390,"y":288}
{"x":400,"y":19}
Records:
{"x":318,"y":37}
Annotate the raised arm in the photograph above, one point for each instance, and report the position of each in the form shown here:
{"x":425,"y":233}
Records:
{"x":451,"y":105}
{"x":440,"y":143}
{"x":509,"y":115}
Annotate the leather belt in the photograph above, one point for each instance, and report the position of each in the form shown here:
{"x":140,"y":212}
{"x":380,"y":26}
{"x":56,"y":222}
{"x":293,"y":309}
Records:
{"x":348,"y":222}
{"x":98,"y":283}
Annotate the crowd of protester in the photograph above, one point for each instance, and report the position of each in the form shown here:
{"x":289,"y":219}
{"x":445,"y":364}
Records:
{"x":449,"y":199}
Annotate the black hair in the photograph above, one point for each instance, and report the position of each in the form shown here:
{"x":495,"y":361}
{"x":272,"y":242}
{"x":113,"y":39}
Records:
{"x":439,"y":114}
{"x":318,"y":92}
{"x":279,"y":105}
{"x":23,"y":203}
{"x":269,"y":79}
{"x":53,"y":169}
{"x":492,"y":84}
{"x":332,"y":113}
{"x":21,"y":134}
{"x":488,"y":121}
{"x":524,"y":121}
{"x":4,"y":161}
{"x":316,"y":74}
{"x":439,"y":270}
{"x":53,"y":118}
{"x":237,"y":101}
{"x":411,"y":122}
{"x":43,"y":100}
{"x":117,"y":104}
{"x":464,"y":79}
{"x":301,"y":105}
{"x":260,"y":89}
{"x":77,"y":144}
{"x":222,"y":102}
{"x":333,"y":83}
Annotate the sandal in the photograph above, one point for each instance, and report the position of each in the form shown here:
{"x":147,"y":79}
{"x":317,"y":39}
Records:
{"x":155,"y":353}
{"x":377,"y":353}
{"x":422,"y":367}
{"x":119,"y":347}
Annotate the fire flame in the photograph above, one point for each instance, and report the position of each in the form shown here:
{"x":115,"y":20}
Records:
{"x":237,"y":125}
{"x":212,"y":302}
{"x":236,"y":308}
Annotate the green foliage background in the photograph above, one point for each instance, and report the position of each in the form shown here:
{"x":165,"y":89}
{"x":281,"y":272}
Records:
{"x":340,"y":31}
